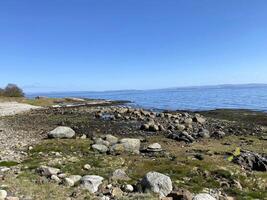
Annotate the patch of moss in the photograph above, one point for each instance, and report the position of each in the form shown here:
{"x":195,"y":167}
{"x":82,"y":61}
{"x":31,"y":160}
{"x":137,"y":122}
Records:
{"x":8,"y":163}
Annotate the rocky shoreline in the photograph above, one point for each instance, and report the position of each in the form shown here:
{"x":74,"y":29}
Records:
{"x":112,"y":151}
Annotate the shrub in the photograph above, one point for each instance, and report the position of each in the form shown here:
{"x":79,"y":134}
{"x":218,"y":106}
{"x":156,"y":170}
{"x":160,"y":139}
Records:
{"x":1,"y":92}
{"x":12,"y":90}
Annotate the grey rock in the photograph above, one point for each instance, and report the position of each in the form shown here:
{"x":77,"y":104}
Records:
{"x":184,"y":136}
{"x":72,"y":180}
{"x":131,"y":145}
{"x":111,"y":139}
{"x":199,"y":119}
{"x":48,"y":171}
{"x":120,"y":174}
{"x":180,"y":127}
{"x":204,"y":133}
{"x":153,"y":127}
{"x":188,"y":121}
{"x":203,"y":196}
{"x":157,"y":183}
{"x":100,"y":148}
{"x":144,"y":127}
{"x":154,"y":147}
{"x":55,"y":178}
{"x":251,"y":161}
{"x":101,"y":142}
{"x":219,"y":134}
{"x":91,"y":182}
{"x":61,"y":132}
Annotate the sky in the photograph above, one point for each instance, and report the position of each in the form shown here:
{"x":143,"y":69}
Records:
{"x":95,"y":45}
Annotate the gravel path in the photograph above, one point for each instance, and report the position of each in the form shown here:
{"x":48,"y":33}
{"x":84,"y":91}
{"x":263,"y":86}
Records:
{"x":12,"y":108}
{"x":13,"y":141}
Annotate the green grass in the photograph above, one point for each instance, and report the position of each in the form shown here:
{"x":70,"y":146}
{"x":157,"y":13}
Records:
{"x":8,"y":163}
{"x":184,"y":171}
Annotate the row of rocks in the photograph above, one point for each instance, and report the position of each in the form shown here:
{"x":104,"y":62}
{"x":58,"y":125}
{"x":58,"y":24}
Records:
{"x":195,"y":125}
{"x":112,"y":144}
{"x":152,"y":182}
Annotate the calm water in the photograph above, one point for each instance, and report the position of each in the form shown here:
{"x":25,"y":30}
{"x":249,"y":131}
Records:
{"x":198,"y":98}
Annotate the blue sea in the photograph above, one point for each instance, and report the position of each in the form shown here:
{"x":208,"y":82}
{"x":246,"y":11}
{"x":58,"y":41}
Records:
{"x":253,"y":97}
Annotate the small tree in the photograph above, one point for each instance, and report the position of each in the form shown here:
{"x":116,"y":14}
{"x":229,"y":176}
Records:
{"x":12,"y":90}
{"x":1,"y":92}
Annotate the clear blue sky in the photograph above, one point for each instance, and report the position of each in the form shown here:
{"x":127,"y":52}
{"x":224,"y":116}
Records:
{"x":59,"y":45}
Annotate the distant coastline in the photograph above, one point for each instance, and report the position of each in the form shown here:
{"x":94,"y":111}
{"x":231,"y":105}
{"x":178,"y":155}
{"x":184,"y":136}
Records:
{"x":241,"y":96}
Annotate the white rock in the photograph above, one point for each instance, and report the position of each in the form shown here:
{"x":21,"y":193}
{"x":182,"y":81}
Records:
{"x":3,"y":194}
{"x":62,"y":175}
{"x":11,"y":198}
{"x":91,"y":182}
{"x":87,"y":167}
{"x":61,"y":132}
{"x":4,"y":169}
{"x":55,"y":178}
{"x":157,"y":183}
{"x":128,"y":188}
{"x":104,"y":198}
{"x":154,"y":146}
{"x":203,"y":196}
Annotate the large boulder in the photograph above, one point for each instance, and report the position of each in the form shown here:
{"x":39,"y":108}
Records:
{"x":91,"y":182}
{"x":131,"y":145}
{"x":203,"y":196}
{"x":61,"y":132}
{"x":157,"y":183}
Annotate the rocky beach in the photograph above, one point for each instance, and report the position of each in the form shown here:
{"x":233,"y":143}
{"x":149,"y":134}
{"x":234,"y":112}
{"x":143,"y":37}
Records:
{"x":74,"y":148}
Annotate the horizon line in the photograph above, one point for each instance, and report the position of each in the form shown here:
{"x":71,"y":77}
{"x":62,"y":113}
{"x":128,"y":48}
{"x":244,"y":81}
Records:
{"x":167,"y":88}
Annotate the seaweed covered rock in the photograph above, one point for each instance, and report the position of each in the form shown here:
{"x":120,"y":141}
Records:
{"x":251,"y":161}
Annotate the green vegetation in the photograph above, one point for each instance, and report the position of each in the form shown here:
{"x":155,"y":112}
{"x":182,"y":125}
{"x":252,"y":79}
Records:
{"x":11,"y":90}
{"x":238,"y":115}
{"x":185,"y":171}
{"x":8,"y":163}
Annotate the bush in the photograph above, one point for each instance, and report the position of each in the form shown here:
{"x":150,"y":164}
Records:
{"x":12,"y":90}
